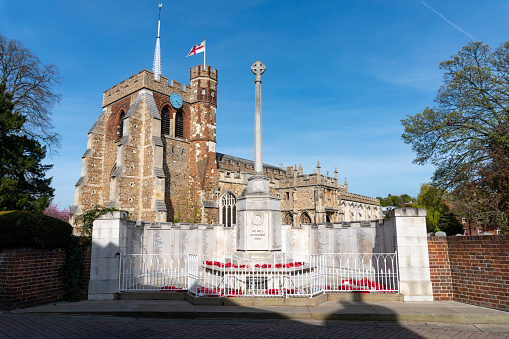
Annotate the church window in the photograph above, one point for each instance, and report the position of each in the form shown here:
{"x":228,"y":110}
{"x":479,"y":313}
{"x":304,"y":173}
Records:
{"x":113,"y":169}
{"x":305,"y":219}
{"x":165,"y":121}
{"x":288,"y":219}
{"x":179,"y":125}
{"x":120,"y":129}
{"x":228,"y":211}
{"x":287,"y":195}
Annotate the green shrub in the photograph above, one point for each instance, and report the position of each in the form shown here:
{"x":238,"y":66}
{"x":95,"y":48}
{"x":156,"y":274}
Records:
{"x":73,"y":270}
{"x":20,"y":229}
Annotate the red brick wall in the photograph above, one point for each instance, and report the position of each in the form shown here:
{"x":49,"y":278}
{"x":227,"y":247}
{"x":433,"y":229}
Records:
{"x":478,"y":269}
{"x":440,"y":269}
{"x":30,"y":277}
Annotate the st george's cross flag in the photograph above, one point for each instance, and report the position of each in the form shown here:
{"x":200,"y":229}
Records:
{"x":197,"y":49}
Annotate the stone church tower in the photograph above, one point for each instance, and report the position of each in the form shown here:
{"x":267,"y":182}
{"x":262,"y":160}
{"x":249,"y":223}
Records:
{"x":152,"y":151}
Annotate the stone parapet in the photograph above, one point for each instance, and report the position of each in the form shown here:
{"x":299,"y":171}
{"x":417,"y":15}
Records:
{"x":230,"y":163}
{"x":145,"y":79}
{"x":208,"y":72}
{"x":359,"y":198}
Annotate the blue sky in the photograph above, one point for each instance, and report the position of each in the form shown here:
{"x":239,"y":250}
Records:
{"x":340,"y":74}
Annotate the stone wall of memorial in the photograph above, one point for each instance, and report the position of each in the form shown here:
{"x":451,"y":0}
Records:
{"x":162,"y":238}
{"x":347,"y":237}
{"x":471,"y":269}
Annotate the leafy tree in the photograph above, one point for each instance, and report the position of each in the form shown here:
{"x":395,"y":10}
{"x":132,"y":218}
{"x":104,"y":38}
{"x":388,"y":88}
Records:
{"x":433,"y":199}
{"x":472,"y":106}
{"x":395,"y":200}
{"x":392,"y":200}
{"x":382,"y":201}
{"x":406,"y":198}
{"x":31,"y":84}
{"x":22,"y":181}
{"x":484,"y":198}
{"x":448,"y":222}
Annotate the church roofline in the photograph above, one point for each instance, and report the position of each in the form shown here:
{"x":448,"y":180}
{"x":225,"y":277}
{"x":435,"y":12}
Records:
{"x":145,"y":79}
{"x":221,"y":157}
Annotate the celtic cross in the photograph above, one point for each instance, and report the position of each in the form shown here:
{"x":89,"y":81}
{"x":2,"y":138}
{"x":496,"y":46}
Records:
{"x":258,"y":68}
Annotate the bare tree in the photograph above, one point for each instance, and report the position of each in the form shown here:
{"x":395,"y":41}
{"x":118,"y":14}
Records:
{"x":31,"y":84}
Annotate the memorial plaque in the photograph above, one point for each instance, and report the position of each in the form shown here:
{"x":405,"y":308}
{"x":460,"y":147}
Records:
{"x":258,"y":204}
{"x":257,"y":231}
{"x":157,"y":242}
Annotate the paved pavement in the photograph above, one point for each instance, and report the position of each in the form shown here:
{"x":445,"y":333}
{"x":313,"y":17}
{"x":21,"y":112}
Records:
{"x":180,"y":319}
{"x":90,"y":326}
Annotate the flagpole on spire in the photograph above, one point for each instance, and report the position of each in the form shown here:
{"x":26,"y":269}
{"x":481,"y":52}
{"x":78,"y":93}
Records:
{"x":204,"y":53}
{"x":156,"y":67}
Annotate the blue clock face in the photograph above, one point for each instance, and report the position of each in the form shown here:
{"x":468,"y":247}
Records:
{"x":176,"y":100}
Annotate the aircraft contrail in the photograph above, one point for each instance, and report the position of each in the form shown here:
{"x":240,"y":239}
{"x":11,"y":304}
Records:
{"x":449,"y":21}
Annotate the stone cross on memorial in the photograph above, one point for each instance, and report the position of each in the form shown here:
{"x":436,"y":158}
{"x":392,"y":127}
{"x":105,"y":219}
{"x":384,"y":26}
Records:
{"x":258,"y":68}
{"x":258,"y":211}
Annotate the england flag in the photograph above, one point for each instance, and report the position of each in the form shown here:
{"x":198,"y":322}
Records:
{"x":197,"y":49}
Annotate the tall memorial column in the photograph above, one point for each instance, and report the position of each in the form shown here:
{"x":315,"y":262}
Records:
{"x":258,"y":212}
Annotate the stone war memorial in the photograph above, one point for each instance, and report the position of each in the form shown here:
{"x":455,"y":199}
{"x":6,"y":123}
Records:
{"x":215,"y":225}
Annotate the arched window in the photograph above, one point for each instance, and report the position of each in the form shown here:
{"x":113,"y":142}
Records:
{"x":228,"y":206}
{"x":165,"y":121}
{"x":305,"y":219}
{"x":120,"y":128}
{"x":288,"y":219}
{"x":179,"y":125}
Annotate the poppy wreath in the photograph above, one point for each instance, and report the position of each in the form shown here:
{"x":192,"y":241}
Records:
{"x":173,"y":289}
{"x":362,"y":285}
{"x":233,"y":293}
{"x":230,"y":265}
{"x":281,"y":291}
{"x":210,"y":292}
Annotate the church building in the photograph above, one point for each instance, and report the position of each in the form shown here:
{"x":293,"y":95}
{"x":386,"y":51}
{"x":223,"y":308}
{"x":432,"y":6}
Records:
{"x":152,"y":152}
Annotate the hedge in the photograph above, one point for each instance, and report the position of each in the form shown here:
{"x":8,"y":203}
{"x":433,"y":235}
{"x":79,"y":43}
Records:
{"x":19,"y":229}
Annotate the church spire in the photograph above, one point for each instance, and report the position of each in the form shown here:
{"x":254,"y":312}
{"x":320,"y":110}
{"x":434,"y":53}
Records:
{"x":156,"y":68}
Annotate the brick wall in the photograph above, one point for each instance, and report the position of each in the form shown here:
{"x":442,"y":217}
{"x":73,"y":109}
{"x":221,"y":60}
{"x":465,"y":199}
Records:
{"x":30,"y":277}
{"x":440,"y":269}
{"x":472,"y":270}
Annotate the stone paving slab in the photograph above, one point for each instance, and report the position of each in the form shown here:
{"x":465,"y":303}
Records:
{"x":436,"y":312}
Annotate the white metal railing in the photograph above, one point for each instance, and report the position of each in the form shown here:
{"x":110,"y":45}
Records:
{"x":167,"y":272}
{"x":286,"y":274}
{"x":360,"y":272}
